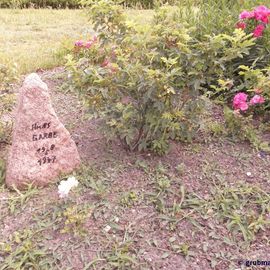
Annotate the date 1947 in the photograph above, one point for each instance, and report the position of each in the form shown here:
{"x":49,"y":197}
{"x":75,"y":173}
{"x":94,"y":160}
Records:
{"x":46,"y":160}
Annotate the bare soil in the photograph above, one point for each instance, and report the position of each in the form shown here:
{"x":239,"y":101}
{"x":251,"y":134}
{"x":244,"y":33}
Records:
{"x":146,"y":230}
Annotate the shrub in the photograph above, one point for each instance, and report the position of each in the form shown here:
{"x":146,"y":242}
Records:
{"x":147,"y":85}
{"x":202,"y":15}
{"x":255,"y":64}
{"x":255,"y":95}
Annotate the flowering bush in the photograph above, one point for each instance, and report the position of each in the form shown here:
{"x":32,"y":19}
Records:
{"x":147,"y":85}
{"x":257,"y":19}
{"x":253,"y":78}
{"x":256,"y":82}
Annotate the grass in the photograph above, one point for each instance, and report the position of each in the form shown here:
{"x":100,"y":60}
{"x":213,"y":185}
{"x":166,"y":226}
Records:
{"x":34,"y":38}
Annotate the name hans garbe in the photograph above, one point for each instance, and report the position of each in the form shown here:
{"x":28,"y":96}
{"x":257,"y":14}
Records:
{"x":43,"y":135}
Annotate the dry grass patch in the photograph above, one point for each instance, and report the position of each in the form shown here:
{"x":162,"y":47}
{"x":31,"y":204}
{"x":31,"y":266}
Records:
{"x":32,"y":38}
{"x":36,"y":38}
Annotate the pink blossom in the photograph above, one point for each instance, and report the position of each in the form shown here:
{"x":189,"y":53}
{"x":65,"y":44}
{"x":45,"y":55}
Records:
{"x":258,"y":31}
{"x":243,"y":106}
{"x":261,"y":14}
{"x":113,"y":69}
{"x":94,"y":39}
{"x":105,"y":63}
{"x":240,"y":102}
{"x":241,"y":25}
{"x":261,"y":8}
{"x":257,"y":99}
{"x":246,"y":15}
{"x":79,"y":43}
{"x":88,"y":44}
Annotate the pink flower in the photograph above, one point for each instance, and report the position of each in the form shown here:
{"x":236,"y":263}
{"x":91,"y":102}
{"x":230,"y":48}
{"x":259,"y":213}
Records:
{"x":79,"y":43}
{"x":240,"y":102}
{"x":241,"y":25}
{"x":246,"y":15}
{"x":105,"y":63}
{"x":88,"y":44}
{"x":262,"y":13}
{"x":261,"y":8}
{"x":257,"y":99}
{"x":94,"y":39}
{"x":258,"y":31}
{"x":113,"y":69}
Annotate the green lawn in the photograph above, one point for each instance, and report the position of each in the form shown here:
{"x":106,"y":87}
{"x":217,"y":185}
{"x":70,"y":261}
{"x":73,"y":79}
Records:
{"x":33,"y":38}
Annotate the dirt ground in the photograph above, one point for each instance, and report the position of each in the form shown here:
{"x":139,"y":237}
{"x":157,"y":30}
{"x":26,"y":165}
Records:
{"x":203,"y":206}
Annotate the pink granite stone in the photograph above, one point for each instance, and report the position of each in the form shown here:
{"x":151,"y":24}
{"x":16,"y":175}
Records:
{"x":42,"y":148}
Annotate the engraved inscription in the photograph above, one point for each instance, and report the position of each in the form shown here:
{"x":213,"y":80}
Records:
{"x":45,"y":160}
{"x":45,"y":135}
{"x":45,"y":152}
{"x":36,"y":126}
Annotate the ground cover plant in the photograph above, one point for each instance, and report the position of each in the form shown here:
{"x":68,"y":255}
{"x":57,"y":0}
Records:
{"x":201,"y":200}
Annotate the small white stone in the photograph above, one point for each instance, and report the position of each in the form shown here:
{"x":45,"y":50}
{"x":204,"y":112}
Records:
{"x":107,"y":228}
{"x":249,"y":174}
